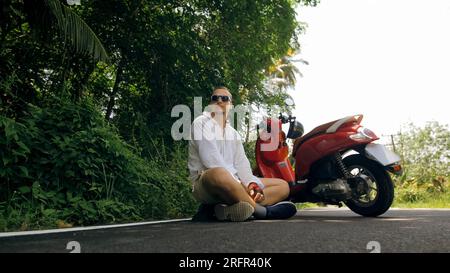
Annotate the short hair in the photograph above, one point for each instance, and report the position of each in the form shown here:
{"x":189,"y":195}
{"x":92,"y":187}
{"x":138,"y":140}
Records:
{"x":222,"y":87}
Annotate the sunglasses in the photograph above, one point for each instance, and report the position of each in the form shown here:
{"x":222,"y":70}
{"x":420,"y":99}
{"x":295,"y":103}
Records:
{"x":223,"y":98}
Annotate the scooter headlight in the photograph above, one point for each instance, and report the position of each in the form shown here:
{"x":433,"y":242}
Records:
{"x":363,"y":134}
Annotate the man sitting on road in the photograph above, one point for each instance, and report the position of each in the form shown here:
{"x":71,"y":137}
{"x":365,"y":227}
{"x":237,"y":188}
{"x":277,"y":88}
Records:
{"x":221,"y":174}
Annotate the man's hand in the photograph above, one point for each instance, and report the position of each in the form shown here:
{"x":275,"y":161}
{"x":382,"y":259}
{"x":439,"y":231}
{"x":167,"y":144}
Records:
{"x":255,"y":192}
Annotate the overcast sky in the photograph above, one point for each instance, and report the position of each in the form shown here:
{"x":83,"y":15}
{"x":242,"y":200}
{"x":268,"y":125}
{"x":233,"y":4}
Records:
{"x":386,"y":59}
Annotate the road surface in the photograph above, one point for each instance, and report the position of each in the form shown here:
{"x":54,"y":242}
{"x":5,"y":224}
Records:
{"x":311,"y":230}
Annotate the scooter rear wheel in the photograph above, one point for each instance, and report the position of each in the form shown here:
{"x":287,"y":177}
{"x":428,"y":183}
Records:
{"x":375,"y":182}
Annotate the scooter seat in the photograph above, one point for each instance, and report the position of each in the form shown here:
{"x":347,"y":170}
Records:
{"x":314,"y":132}
{"x":322,"y":129}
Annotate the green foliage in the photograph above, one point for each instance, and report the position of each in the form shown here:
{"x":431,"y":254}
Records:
{"x":428,"y":195}
{"x":249,"y":148}
{"x":64,"y":162}
{"x":169,"y":167}
{"x":425,"y":154}
{"x":43,"y":15}
{"x":162,"y":54}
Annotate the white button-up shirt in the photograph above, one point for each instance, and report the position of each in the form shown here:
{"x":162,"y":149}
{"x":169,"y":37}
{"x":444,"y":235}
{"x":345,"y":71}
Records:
{"x":211,"y":146}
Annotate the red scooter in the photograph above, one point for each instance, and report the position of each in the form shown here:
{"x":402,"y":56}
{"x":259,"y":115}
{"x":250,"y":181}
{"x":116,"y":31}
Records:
{"x":335,"y":163}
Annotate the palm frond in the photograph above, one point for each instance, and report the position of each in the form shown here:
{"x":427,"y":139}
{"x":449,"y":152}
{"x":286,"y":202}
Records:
{"x":47,"y":13}
{"x":74,"y":29}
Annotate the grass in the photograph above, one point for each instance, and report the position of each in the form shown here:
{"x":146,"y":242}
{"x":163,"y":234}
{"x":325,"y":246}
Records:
{"x":407,"y":196}
{"x":411,"y":194}
{"x":301,"y":206}
{"x":429,"y":201}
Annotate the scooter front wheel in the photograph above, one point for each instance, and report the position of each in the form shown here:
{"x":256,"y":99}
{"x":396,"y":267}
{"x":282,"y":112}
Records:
{"x":373,"y":190}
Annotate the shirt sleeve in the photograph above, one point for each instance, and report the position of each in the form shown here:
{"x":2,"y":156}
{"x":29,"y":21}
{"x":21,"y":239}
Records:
{"x":243,"y":167}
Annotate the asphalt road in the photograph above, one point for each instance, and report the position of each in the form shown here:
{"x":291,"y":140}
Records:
{"x":312,"y":230}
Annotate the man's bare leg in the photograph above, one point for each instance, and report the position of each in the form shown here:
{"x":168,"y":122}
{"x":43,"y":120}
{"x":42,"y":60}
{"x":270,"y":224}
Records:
{"x":221,"y":184}
{"x":275,"y":190}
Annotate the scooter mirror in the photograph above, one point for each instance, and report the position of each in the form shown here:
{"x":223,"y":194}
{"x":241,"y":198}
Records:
{"x":289,"y":102}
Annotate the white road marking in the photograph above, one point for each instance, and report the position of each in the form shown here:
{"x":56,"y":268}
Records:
{"x":50,"y":231}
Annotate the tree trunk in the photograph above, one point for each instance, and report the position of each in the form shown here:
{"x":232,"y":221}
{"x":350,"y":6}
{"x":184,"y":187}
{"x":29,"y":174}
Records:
{"x":114,"y":92}
{"x":247,"y":121}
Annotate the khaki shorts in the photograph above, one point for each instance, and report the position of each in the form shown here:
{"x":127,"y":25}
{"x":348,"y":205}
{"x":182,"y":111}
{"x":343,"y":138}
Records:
{"x":200,"y":193}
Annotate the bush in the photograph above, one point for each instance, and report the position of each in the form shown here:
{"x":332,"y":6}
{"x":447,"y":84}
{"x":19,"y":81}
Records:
{"x":249,"y":148}
{"x":62,"y":164}
{"x":425,"y":154}
{"x":410,"y":193}
{"x":168,"y":170}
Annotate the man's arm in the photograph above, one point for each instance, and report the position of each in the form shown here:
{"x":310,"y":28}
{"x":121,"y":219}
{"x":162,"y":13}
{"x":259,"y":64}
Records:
{"x":243,"y":167}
